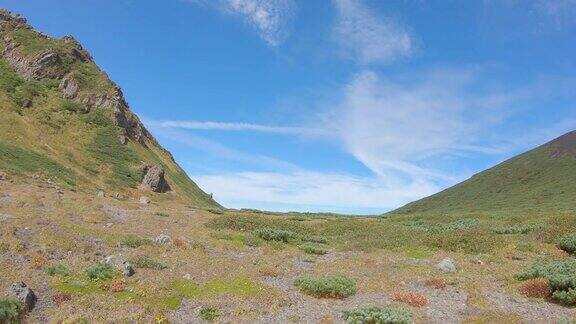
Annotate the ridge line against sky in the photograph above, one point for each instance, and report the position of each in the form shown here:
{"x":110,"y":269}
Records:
{"x":352,"y":106}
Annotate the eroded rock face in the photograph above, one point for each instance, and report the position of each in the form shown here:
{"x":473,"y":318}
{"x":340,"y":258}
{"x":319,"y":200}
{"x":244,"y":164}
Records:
{"x":69,"y":88}
{"x":154,"y":179}
{"x":44,"y":65}
{"x":24,"y":294}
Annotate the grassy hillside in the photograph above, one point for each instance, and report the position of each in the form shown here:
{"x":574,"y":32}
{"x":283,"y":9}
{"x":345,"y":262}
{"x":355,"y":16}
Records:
{"x":73,"y":142}
{"x":540,"y":180}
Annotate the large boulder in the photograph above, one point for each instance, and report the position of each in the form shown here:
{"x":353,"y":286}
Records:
{"x":154,"y":179}
{"x":119,"y":262}
{"x":25,"y":295}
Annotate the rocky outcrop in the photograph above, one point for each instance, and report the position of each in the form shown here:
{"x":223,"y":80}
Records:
{"x":52,"y":64}
{"x":24,"y":294}
{"x":154,"y":179}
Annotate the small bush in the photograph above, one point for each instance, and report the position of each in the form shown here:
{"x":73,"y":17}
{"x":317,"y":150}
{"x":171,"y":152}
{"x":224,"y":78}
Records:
{"x":313,"y":239}
{"x":73,"y":106}
{"x":436,"y":283}
{"x":566,"y":297}
{"x":568,"y":243}
{"x":10,"y":310}
{"x":161,"y":214}
{"x":414,"y":300}
{"x":327,"y":287}
{"x":134,"y":241}
{"x":536,"y":288}
{"x":269,"y":234}
{"x":251,"y":241}
{"x":208,"y":313}
{"x":58,"y":270}
{"x":378,"y":315}
{"x":100,"y":271}
{"x":144,"y":262}
{"x":313,"y":249}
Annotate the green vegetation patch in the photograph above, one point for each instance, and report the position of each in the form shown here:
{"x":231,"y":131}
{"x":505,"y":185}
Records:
{"x":101,"y":271}
{"x":327,"y":287}
{"x":209,"y":313}
{"x":271,"y":234}
{"x":10,"y":310}
{"x":517,"y":229}
{"x":58,"y":270}
{"x":378,"y":315}
{"x":461,"y":224}
{"x":106,"y":149}
{"x":135,"y":241}
{"x":237,"y":287}
{"x":79,"y":286}
{"x":568,"y":243}
{"x":313,"y":249}
{"x":22,"y":161}
{"x":560,"y":274}
{"x":145,"y":262}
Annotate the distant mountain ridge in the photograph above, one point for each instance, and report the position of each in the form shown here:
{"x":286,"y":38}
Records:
{"x":64,"y":118}
{"x":543,"y":179}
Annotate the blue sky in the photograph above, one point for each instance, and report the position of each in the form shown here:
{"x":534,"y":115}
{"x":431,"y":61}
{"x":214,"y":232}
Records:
{"x":352,"y":106}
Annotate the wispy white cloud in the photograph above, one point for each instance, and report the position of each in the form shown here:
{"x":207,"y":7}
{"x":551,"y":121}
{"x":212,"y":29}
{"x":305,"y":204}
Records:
{"x":209,"y":125}
{"x":270,"y":18}
{"x":368,"y":37}
{"x":561,"y":11}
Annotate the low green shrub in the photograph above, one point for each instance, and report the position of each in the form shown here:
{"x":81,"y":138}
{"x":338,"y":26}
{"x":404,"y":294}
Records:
{"x":313,"y":249}
{"x":313,"y":239}
{"x":161,"y":214}
{"x":560,"y":274}
{"x":252,"y":241}
{"x":568,"y":243}
{"x":378,"y":315}
{"x":58,"y":270}
{"x":10,"y":310}
{"x":270,"y":234}
{"x":100,"y":271}
{"x":73,"y":106}
{"x":134,"y":241}
{"x":327,"y":287}
{"x":517,"y":229}
{"x":460,"y":224}
{"x":144,"y":262}
{"x":208,"y":313}
{"x":566,"y":297}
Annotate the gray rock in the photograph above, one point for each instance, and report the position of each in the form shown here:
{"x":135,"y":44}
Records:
{"x":3,"y":176}
{"x":118,"y":261}
{"x":123,"y":139}
{"x":144,"y":200}
{"x":26,"y":103}
{"x":447,"y":265}
{"x":101,"y":194}
{"x":69,"y":88}
{"x":5,"y":217}
{"x":24,"y":294}
{"x":162,"y":239}
{"x":154,"y":179}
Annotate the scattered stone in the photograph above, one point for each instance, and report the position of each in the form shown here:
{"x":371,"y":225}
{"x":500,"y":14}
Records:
{"x":154,"y":179}
{"x":447,"y":265}
{"x":118,"y":261}
{"x":101,"y":194}
{"x":26,"y":296}
{"x":26,"y":103}
{"x":5,"y":217}
{"x":69,"y":88}
{"x":163,"y":239}
{"x":144,"y":200}
{"x":123,"y":139}
{"x":3,"y":176}
{"x":477,"y":261}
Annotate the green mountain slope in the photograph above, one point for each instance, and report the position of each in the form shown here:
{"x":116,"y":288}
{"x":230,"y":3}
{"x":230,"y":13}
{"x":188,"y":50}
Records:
{"x":541,"y":180}
{"x":63,"y":119}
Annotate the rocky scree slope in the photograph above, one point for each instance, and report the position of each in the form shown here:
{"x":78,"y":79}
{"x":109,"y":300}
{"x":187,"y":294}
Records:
{"x":63,"y":119}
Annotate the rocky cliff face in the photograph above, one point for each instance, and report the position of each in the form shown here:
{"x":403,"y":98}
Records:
{"x":57,"y":61}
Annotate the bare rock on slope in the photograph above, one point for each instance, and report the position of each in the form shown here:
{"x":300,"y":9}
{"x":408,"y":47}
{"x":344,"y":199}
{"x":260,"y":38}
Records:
{"x":118,"y":261}
{"x":24,"y":294}
{"x":447,"y":265}
{"x":154,"y":179}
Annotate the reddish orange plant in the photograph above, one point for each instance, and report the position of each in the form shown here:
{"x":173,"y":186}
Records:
{"x":536,"y":288}
{"x":414,"y":300}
